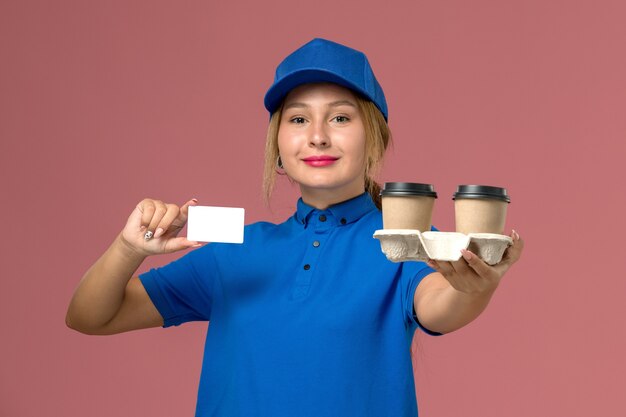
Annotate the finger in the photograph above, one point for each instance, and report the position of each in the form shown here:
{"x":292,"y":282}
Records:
{"x":184,"y":211}
{"x":433,"y":264}
{"x":516,"y":248}
{"x":447,"y":271}
{"x":164,"y":225}
{"x":159,"y":211}
{"x":461,"y":267}
{"x":147,"y":208}
{"x":442,"y":267}
{"x":513,"y":252}
{"x":478,"y":265}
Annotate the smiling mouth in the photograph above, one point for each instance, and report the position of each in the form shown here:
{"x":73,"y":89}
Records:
{"x":320,"y":161}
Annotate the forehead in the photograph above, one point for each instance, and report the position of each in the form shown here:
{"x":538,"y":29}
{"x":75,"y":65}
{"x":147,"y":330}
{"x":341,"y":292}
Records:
{"x":319,"y":91}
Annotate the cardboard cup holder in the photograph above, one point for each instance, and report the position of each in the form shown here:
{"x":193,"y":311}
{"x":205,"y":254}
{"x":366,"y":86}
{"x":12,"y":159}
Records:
{"x":400,"y":245}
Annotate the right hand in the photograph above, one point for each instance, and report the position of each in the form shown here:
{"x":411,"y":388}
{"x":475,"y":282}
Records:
{"x":165,"y":221}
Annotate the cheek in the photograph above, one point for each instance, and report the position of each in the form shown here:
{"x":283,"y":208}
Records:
{"x":358,"y":149}
{"x":287,"y":141}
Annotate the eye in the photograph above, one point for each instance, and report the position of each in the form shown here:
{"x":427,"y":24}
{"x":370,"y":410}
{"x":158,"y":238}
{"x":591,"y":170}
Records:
{"x":341,"y":119}
{"x":297,"y":120}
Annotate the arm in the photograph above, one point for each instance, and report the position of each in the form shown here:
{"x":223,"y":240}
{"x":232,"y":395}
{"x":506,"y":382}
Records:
{"x":460,"y":291}
{"x":109,"y":299}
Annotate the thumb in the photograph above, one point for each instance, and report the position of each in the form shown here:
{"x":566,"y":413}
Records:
{"x":180,"y":243}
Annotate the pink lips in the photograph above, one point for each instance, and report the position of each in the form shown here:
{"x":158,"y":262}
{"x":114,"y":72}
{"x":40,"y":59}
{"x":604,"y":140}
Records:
{"x":320,"y":161}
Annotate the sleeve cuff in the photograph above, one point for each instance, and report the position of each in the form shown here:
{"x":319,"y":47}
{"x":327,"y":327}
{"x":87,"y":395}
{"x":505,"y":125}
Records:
{"x":148,"y":281}
{"x":419,"y":276}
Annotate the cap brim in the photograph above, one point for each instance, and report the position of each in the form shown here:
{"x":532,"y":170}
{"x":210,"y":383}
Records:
{"x":276,"y":94}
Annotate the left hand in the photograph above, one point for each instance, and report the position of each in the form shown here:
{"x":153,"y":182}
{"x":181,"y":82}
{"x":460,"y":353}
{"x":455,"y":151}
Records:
{"x":471,"y":275}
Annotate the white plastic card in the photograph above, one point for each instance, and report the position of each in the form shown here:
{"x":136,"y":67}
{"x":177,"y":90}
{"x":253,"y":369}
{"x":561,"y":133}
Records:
{"x":215,"y":224}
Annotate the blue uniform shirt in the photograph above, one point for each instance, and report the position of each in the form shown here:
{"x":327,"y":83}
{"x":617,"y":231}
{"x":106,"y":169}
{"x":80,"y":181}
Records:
{"x":307,"y":317}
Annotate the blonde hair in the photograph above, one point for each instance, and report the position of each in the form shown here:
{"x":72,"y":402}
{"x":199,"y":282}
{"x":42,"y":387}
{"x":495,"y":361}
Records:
{"x":377,"y":139}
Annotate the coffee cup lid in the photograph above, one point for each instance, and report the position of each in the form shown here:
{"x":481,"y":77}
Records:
{"x":481,"y":191}
{"x":399,"y":189}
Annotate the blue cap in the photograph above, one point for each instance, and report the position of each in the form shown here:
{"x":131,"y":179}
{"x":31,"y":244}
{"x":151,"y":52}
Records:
{"x":324,"y":61}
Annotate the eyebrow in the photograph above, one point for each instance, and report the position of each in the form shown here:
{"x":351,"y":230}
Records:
{"x":331,"y":104}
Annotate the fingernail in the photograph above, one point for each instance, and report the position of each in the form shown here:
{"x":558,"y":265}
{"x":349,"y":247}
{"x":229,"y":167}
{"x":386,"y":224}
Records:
{"x":515,"y":235}
{"x":195,"y":200}
{"x":158,"y":232}
{"x":467,"y":255}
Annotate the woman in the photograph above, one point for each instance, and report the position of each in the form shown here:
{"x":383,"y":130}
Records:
{"x":307,"y":317}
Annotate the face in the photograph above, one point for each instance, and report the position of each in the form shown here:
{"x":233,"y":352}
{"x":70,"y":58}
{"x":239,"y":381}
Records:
{"x":321,"y":140}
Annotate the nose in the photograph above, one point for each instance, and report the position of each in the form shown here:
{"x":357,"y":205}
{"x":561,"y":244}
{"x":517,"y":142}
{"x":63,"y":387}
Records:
{"x":319,"y":137}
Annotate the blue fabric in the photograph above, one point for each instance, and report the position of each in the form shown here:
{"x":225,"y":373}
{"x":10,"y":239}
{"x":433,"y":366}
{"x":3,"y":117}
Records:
{"x":330,"y":339}
{"x":321,"y":60}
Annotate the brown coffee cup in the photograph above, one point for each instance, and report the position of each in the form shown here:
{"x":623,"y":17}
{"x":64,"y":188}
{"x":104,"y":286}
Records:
{"x":480,"y":209}
{"x":408,"y":205}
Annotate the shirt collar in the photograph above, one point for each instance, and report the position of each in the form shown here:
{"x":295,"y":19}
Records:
{"x":350,"y":210}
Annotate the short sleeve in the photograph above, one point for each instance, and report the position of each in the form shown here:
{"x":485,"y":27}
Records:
{"x":179,"y":291}
{"x":412,"y":275}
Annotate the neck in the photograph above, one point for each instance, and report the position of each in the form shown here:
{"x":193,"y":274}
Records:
{"x":321,"y":199}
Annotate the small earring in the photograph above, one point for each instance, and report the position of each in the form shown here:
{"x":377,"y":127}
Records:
{"x":279,"y":163}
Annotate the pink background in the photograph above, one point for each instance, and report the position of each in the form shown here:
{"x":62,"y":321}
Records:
{"x":104,"y":103}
